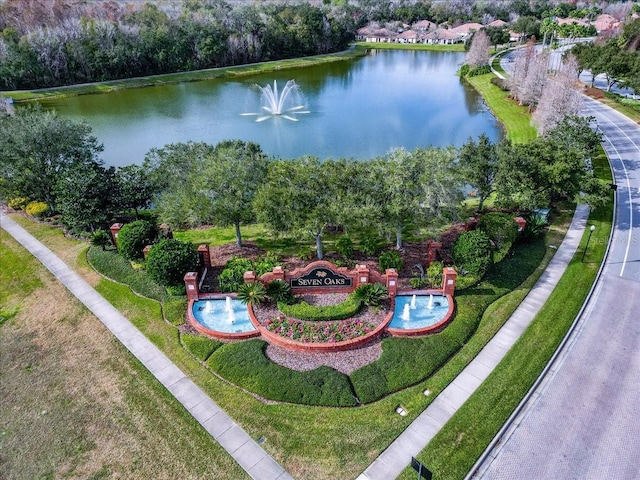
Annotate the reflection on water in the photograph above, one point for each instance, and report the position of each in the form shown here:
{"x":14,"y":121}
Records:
{"x":359,"y":109}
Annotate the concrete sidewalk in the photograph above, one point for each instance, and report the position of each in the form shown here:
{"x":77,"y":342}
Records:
{"x":249,"y":455}
{"x":415,"y":438}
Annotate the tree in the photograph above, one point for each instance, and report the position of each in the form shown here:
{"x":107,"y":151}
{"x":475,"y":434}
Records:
{"x":169,"y":260}
{"x":134,"y":188}
{"x":229,"y":179}
{"x":478,"y":55}
{"x":535,"y":80}
{"x":559,"y":98}
{"x":298,"y":197}
{"x":36,"y":150}
{"x":523,"y":60}
{"x":479,"y":163}
{"x":85,"y":196}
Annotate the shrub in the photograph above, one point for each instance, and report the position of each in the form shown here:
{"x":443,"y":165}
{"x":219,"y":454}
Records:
{"x":501,"y":228}
{"x":500,"y":83}
{"x":246,"y":365}
{"x":102,"y":239}
{"x":390,"y":259}
{"x":340,"y":311}
{"x":419,"y":282}
{"x":279,"y":291}
{"x":199,"y":346}
{"x":252,"y":293}
{"x":344,"y":246}
{"x":535,"y":227}
{"x":472,"y":252}
{"x":18,"y":203}
{"x":37,"y":209}
{"x":113,"y":266}
{"x":170,"y":259}
{"x":371,"y":294}
{"x":369,"y":244}
{"x":232,"y":277}
{"x":134,"y":236}
{"x":434,"y":274}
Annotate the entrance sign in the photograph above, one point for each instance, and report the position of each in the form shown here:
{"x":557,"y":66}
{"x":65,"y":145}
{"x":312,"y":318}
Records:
{"x":322,"y":277}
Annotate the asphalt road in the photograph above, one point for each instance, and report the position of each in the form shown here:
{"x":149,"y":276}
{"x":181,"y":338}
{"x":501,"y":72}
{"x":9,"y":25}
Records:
{"x":583,"y":422}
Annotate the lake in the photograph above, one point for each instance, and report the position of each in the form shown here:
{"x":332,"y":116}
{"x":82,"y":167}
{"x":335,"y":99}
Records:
{"x":356,"y":109}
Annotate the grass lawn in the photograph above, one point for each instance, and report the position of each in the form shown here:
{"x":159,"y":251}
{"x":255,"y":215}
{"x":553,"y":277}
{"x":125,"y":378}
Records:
{"x":454,"y":450}
{"x":513,"y":117}
{"x":74,"y":395}
{"x":310,"y":442}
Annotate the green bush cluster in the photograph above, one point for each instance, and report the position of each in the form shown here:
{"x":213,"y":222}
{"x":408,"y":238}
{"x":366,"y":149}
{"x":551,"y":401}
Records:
{"x":252,"y":293}
{"x":199,"y":346}
{"x":169,"y":260}
{"x":390,"y":259}
{"x":340,"y":311}
{"x":134,"y":236}
{"x":113,"y":266}
{"x":434,"y":274}
{"x":232,"y":276}
{"x":369,"y":244}
{"x":18,"y":203}
{"x":344,"y":246}
{"x":102,"y":239}
{"x":472,"y":252}
{"x":245,"y":364}
{"x":501,"y":228}
{"x":279,"y":291}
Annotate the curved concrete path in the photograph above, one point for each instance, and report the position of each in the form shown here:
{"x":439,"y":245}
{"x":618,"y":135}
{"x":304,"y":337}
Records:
{"x":416,"y":437}
{"x":583,"y":420}
{"x":249,"y":455}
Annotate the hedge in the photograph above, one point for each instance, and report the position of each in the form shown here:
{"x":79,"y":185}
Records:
{"x":201,"y":347}
{"x":246,"y":365}
{"x":304,"y":311}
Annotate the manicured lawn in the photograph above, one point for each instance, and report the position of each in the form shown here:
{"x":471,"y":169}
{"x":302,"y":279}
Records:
{"x":75,"y":403}
{"x":314,"y":443}
{"x":453,"y":451}
{"x":513,"y":117}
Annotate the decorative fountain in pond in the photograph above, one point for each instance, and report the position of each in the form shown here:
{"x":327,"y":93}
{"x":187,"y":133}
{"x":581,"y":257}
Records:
{"x":419,"y":313}
{"x":224,"y":314}
{"x":286,"y":103}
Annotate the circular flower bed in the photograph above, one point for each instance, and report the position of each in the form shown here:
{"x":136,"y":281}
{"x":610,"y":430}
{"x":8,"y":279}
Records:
{"x":319,"y":332}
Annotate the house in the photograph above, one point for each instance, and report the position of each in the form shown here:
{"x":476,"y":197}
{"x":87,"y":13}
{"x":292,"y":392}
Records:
{"x":381,"y":35}
{"x":424,"y":26}
{"x":605,"y":23}
{"x":466,"y":29}
{"x":442,"y":36}
{"x":408,"y":36}
{"x":497,"y":23}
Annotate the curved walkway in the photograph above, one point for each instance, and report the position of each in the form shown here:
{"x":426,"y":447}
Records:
{"x":583,"y":420}
{"x":249,"y":455}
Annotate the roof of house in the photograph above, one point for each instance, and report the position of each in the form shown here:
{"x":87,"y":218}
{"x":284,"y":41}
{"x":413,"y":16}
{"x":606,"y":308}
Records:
{"x":408,"y":34}
{"x":424,"y":25}
{"x":442,"y":34}
{"x":465,"y":28}
{"x":497,"y":23}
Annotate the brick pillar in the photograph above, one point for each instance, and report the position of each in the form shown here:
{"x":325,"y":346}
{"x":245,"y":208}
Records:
{"x":432,"y":253}
{"x":249,"y":277}
{"x":204,"y":255}
{"x":278,"y":273}
{"x":145,"y":251}
{"x":449,"y":275}
{"x":521,"y":223}
{"x":362,"y":272}
{"x":191,"y":285}
{"x":115,"y":229}
{"x":392,"y":281}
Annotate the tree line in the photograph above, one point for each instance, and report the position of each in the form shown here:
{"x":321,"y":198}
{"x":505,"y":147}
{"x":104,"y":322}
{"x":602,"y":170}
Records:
{"x":49,"y":159}
{"x":99,"y":44}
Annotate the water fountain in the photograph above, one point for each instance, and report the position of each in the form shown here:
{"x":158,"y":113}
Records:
{"x":413,"y":302}
{"x":227,"y":306}
{"x":406,"y":312}
{"x":275,"y":102}
{"x":430,"y":304}
{"x":208,"y":308}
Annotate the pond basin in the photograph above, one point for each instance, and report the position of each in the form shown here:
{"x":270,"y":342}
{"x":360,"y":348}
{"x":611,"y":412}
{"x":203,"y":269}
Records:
{"x":223,"y":317}
{"x":419,"y":313}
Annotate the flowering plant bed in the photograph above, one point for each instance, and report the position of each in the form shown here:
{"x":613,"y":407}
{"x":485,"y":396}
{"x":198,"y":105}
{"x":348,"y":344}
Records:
{"x":319,"y":332}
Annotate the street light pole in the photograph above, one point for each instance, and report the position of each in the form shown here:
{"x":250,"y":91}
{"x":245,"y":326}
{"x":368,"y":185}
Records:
{"x":591,"y":229}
